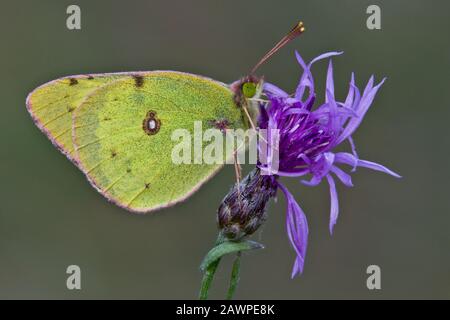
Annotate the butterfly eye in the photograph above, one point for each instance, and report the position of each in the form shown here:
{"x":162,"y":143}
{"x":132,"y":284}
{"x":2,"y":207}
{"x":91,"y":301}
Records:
{"x":249,"y":89}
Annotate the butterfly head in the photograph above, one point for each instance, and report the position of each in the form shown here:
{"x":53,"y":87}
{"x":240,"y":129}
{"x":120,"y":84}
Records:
{"x":249,"y":87}
{"x":246,"y":92}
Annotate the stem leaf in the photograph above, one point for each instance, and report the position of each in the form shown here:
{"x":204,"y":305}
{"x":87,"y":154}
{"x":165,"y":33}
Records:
{"x":228,"y":247}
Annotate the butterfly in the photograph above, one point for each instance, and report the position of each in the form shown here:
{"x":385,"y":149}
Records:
{"x":116,"y":127}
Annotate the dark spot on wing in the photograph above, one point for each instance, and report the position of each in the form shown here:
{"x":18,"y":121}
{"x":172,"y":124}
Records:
{"x":128,"y":170}
{"x":113,"y":153}
{"x":147,"y":185}
{"x":221,"y":124}
{"x":73,"y":81}
{"x":106,"y":118}
{"x":151,"y":123}
{"x":70,"y":109}
{"x":138,"y":80}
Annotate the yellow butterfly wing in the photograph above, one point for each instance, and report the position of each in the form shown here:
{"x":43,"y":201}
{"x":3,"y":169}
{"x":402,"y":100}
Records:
{"x":52,"y":104}
{"x":105,"y":130}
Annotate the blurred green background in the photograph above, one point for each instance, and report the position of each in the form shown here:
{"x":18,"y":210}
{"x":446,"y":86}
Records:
{"x":50,"y":217}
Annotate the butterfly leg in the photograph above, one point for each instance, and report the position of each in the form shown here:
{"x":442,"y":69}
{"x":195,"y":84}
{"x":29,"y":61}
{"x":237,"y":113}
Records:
{"x":251,"y":121}
{"x":238,"y":172}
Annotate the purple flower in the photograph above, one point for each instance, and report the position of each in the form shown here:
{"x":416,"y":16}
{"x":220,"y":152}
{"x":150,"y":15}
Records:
{"x":307,"y":138}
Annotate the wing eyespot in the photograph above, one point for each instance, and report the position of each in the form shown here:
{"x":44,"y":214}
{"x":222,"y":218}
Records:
{"x":151,"y":123}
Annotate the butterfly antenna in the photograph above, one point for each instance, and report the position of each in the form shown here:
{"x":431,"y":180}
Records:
{"x":297,"y":30}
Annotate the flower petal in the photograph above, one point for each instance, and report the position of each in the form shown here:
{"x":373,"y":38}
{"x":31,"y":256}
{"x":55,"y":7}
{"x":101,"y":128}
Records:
{"x":353,"y":147}
{"x":351,"y":92}
{"x":376,"y":167}
{"x":297,"y":229}
{"x":369,"y":86}
{"x":293,"y":174}
{"x":271,"y":89}
{"x":361,"y":109}
{"x":345,"y":178}
{"x":347,"y":158}
{"x":263,"y":116}
{"x":334,"y":209}
{"x":324,"y":56}
{"x":315,"y":180}
{"x":333,"y":120}
{"x":306,"y":80}
{"x":329,"y":92}
{"x":296,"y":111}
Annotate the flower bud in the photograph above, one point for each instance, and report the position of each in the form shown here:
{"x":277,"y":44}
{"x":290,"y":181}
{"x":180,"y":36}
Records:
{"x":243,"y":209}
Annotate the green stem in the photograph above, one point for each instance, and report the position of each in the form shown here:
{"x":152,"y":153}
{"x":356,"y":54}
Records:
{"x":234,"y":276}
{"x":207,"y":279}
{"x":209,"y":273}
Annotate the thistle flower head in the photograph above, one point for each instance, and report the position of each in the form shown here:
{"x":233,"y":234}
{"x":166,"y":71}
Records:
{"x":307,"y":137}
{"x":244,"y":208}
